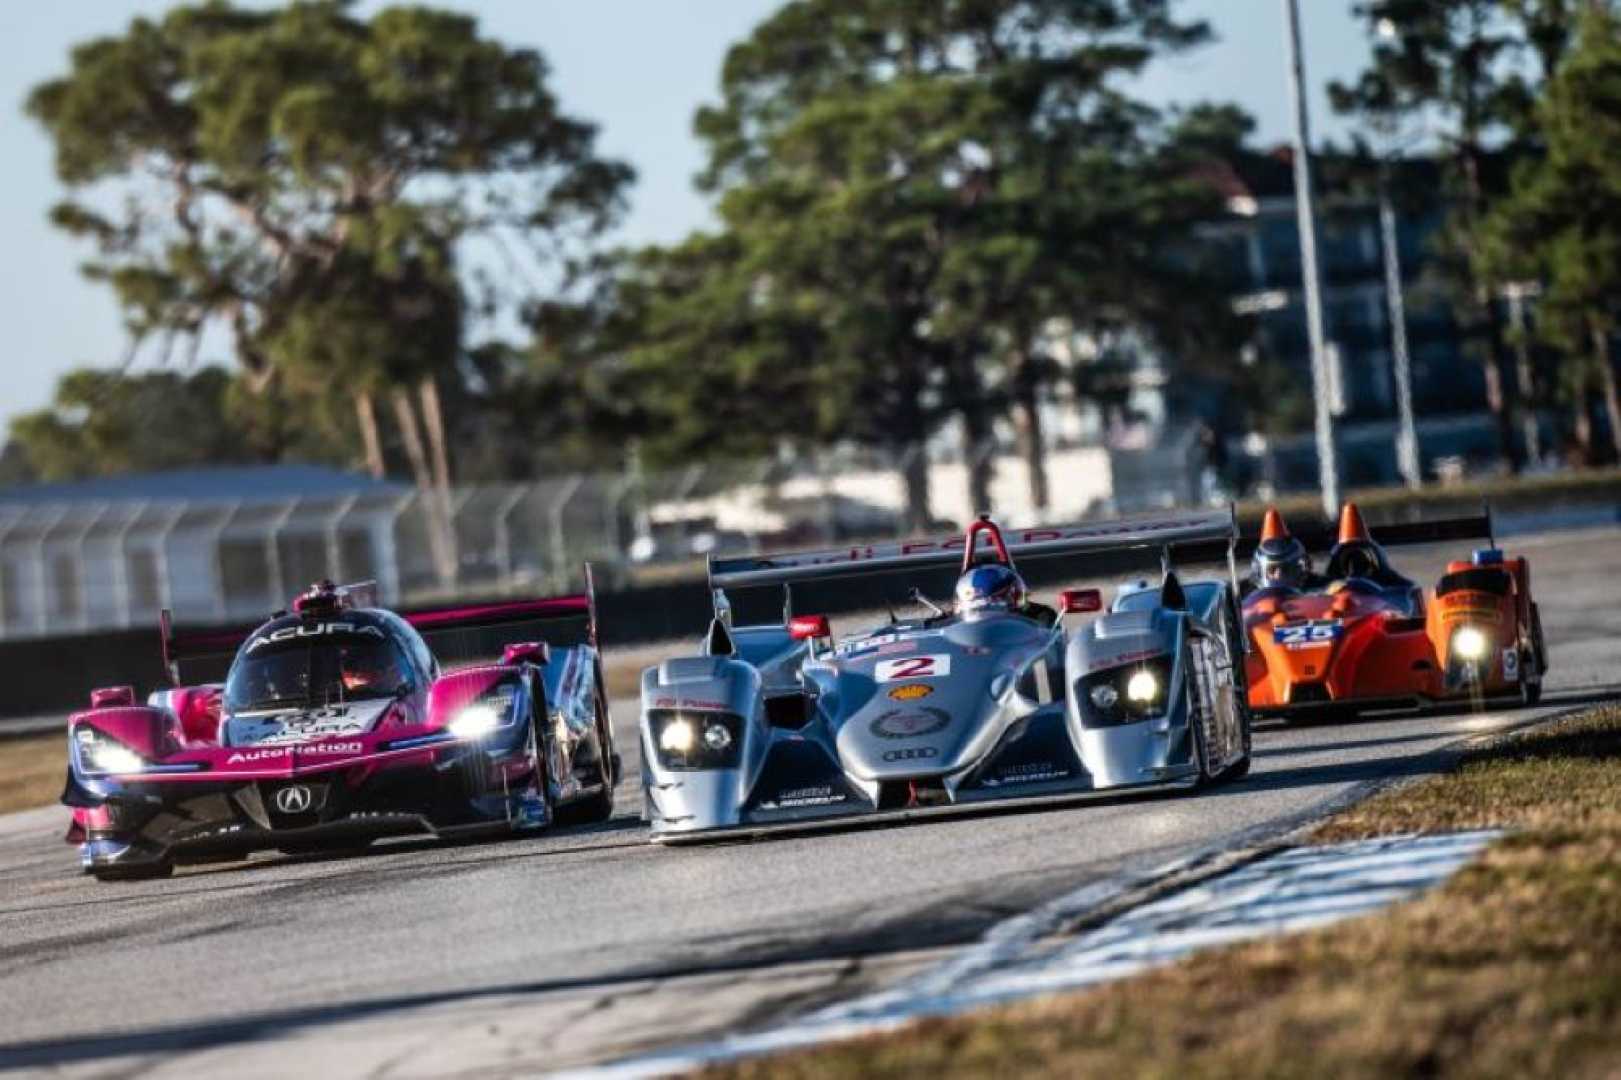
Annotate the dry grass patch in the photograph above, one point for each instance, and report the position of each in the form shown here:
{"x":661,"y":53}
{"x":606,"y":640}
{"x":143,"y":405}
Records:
{"x":1513,"y":968}
{"x":31,"y":771}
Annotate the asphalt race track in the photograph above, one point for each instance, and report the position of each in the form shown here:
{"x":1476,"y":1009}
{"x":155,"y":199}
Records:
{"x":522,"y":956}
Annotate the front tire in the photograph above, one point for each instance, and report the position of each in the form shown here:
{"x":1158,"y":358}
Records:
{"x":1533,"y":666}
{"x":599,"y":806}
{"x":1246,"y":723}
{"x":1201,"y":747}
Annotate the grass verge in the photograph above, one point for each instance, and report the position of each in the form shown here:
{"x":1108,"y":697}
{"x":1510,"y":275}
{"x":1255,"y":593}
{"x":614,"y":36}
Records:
{"x":1512,"y":968}
{"x":31,"y":771}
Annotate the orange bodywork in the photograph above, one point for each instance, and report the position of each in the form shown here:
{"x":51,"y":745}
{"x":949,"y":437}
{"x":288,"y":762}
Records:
{"x":1318,"y":649}
{"x":1358,"y":649}
{"x":1496,"y":600}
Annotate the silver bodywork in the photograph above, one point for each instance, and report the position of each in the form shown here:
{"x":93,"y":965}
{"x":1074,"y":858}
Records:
{"x":929,"y":714}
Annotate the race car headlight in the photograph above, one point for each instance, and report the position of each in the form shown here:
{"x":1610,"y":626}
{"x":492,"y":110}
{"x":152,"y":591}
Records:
{"x":1143,"y":687}
{"x":1471,"y":644}
{"x":491,"y":711}
{"x":104,"y":756}
{"x":717,"y":738}
{"x":678,"y":736}
{"x":1123,"y":694}
{"x":696,"y":740}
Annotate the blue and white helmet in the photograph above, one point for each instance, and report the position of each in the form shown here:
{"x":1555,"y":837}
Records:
{"x":986,"y":589}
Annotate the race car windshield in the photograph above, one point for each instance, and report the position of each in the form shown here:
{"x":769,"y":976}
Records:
{"x":324,"y":671}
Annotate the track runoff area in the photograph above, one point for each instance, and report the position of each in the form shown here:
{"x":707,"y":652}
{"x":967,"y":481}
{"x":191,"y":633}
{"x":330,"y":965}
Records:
{"x":584,"y":947}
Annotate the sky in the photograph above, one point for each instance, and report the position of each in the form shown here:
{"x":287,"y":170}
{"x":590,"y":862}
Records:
{"x":638,"y":68}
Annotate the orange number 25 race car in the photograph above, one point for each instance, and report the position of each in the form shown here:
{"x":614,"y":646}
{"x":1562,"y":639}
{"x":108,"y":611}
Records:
{"x":1360,"y":636}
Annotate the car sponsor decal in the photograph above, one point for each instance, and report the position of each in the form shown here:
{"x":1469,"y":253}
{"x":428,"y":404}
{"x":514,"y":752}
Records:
{"x":691,"y":703}
{"x":308,"y":630}
{"x":245,"y":757}
{"x":910,"y":723}
{"x":911,"y":753}
{"x":927,"y":666}
{"x":862,"y":646}
{"x":1307,"y":635}
{"x":911,"y":692}
{"x":248,"y":756}
{"x":302,"y":727}
{"x":1034,"y":772}
{"x":882,"y":645}
{"x":1121,"y":659}
{"x":820,"y":795}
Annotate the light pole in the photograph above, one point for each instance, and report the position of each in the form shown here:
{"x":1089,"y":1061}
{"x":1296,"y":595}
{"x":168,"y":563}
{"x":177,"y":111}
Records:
{"x":1517,"y":293}
{"x":1407,"y":456}
{"x":1407,"y":462}
{"x":1311,"y":277}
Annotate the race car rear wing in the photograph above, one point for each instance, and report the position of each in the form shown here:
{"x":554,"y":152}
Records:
{"x":1322,"y":537}
{"x":1196,"y":534}
{"x":469,"y":631}
{"x":480,"y":631}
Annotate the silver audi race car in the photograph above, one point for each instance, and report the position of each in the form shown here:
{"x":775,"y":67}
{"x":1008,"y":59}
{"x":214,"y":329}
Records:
{"x":989,"y":696}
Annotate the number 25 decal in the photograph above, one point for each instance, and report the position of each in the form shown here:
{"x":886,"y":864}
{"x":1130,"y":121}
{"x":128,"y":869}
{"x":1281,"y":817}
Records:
{"x":1320,"y":633}
{"x":932,"y":666}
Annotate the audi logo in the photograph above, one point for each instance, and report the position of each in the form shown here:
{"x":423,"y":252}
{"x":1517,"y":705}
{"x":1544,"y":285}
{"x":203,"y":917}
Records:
{"x":294,"y":799}
{"x":911,"y":753}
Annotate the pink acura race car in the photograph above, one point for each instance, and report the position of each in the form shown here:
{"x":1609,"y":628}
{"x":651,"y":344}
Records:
{"x":335,"y":726}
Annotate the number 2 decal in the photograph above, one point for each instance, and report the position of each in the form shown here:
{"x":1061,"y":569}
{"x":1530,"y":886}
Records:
{"x":932,"y":666}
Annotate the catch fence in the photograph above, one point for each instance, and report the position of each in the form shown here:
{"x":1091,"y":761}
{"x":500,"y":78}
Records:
{"x":72,"y":564}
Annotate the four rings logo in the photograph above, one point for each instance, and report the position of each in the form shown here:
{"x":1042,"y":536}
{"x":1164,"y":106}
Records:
{"x":294,"y":799}
{"x":911,"y":753}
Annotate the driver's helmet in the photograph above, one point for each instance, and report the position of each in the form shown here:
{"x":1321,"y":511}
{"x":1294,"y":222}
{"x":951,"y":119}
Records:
{"x":1280,"y":559}
{"x":1358,"y":561}
{"x":1281,"y":564}
{"x":366,"y":669}
{"x":986,"y":589}
{"x":1356,"y":555}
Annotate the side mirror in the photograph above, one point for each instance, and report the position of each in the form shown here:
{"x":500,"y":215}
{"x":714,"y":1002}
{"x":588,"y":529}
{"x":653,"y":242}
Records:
{"x":1079,"y":601}
{"x":530,"y":652}
{"x":112,"y":697}
{"x":808,"y":627}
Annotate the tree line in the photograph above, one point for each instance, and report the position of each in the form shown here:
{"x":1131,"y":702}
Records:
{"x":402,"y":239}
